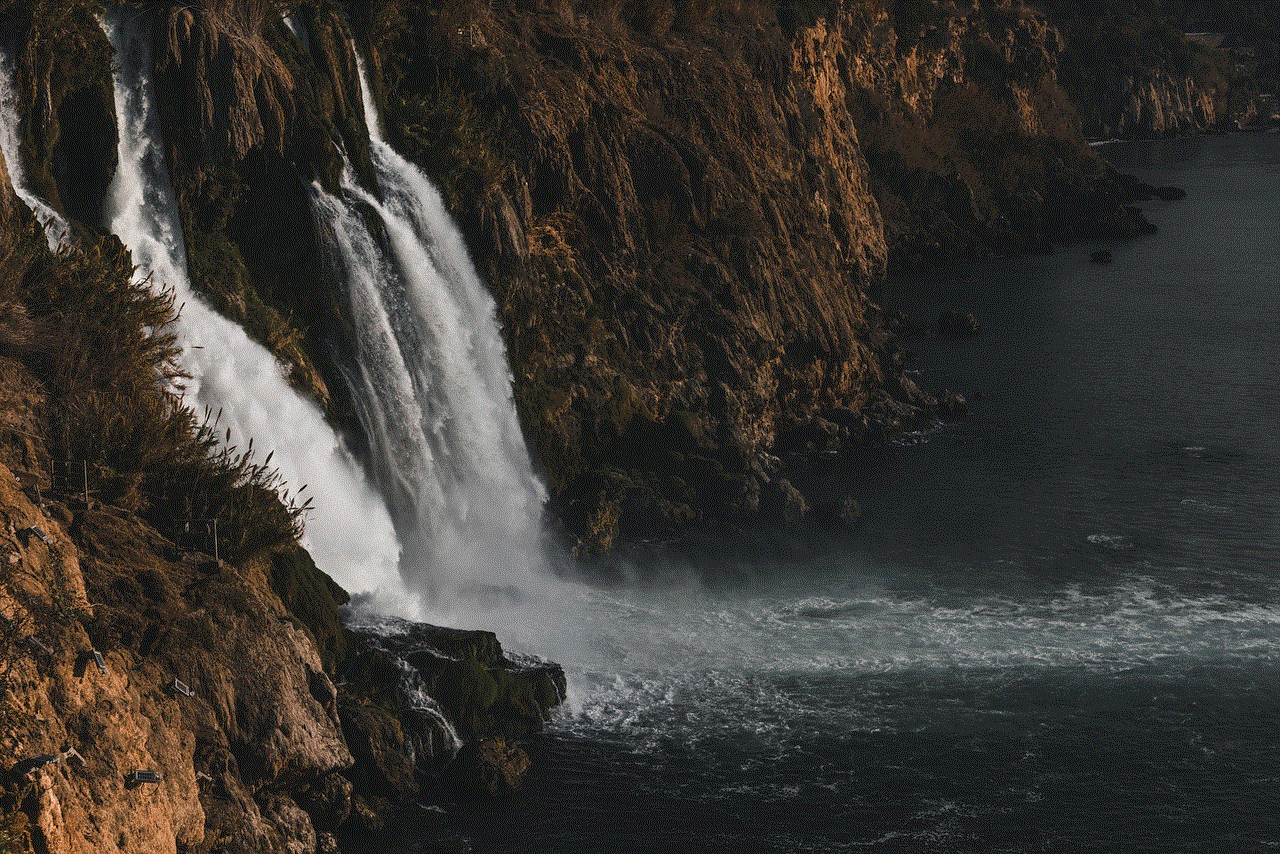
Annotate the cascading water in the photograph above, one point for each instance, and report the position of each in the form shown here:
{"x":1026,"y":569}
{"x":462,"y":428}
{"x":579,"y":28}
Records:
{"x":434,"y":389}
{"x":349,"y":532}
{"x":57,"y":231}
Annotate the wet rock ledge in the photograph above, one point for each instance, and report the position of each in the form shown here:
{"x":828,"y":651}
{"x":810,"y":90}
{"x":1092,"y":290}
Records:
{"x":269,"y":726}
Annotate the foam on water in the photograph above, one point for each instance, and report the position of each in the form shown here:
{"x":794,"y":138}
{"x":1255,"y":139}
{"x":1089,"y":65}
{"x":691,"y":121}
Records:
{"x":692,"y":666}
{"x":349,"y":532}
{"x":1115,"y":542}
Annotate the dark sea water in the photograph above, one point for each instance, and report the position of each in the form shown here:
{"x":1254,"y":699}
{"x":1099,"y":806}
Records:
{"x":1058,"y":628}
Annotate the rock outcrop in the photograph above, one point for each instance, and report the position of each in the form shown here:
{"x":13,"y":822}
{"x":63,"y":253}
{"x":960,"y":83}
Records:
{"x":1159,"y":104}
{"x":1151,"y":70}
{"x":247,"y":727}
{"x":210,"y":681}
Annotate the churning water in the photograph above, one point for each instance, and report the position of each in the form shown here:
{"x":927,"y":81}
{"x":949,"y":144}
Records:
{"x":1058,"y":628}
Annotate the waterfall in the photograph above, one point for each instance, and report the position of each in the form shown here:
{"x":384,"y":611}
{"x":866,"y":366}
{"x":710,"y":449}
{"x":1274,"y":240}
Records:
{"x":349,"y":532}
{"x":434,"y":393}
{"x":56,"y":229}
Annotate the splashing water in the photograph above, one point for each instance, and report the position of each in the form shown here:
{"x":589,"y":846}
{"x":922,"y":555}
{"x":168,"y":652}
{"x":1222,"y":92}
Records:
{"x":56,"y":229}
{"x":349,"y":532}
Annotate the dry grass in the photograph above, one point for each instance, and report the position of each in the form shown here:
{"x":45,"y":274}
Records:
{"x":217,"y":71}
{"x":97,"y":339}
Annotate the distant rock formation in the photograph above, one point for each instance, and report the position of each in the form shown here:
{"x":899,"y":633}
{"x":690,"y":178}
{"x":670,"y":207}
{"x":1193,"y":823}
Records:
{"x":1159,"y":104}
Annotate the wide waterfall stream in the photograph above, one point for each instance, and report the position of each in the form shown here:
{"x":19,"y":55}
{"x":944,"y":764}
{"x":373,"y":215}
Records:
{"x":349,"y":533}
{"x":434,"y":394}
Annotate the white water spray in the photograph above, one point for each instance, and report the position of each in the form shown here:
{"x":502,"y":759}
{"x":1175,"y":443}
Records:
{"x":349,"y":532}
{"x":56,"y":229}
{"x":435,"y":394}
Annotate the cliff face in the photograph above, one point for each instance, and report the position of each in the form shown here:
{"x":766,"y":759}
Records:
{"x":981,"y":146}
{"x":678,"y":229}
{"x":684,"y":212}
{"x":260,"y":727}
{"x":1158,"y":104}
{"x":256,"y":750}
{"x":685,"y":215}
{"x":1162,"y":69}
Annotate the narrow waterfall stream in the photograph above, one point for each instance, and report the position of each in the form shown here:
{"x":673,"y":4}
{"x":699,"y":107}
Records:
{"x":57,"y":230}
{"x":349,"y":532}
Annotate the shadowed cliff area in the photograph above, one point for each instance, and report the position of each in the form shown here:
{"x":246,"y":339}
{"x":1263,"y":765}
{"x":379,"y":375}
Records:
{"x":686,"y":213}
{"x":1138,"y":70}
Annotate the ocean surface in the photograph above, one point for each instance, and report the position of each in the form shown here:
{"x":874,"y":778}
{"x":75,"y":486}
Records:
{"x":1058,"y":627}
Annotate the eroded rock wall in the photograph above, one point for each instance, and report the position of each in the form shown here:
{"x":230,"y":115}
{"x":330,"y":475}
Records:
{"x":257,"y":750}
{"x":260,"y":725}
{"x":672,"y":222}
{"x":1160,"y":104}
{"x":684,"y":210}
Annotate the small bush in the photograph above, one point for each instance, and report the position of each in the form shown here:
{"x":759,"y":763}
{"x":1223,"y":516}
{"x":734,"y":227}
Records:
{"x":107,"y":361}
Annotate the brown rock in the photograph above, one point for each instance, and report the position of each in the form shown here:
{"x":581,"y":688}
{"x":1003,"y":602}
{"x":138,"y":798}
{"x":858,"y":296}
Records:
{"x":489,"y":767}
{"x":383,"y":766}
{"x":251,"y":723}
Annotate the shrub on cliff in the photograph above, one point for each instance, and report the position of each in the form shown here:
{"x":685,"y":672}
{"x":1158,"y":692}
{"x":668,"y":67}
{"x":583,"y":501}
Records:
{"x":96,"y":338}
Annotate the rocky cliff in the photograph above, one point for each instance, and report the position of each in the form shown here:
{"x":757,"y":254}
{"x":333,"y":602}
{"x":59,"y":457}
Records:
{"x":168,"y":688}
{"x":1159,"y":104}
{"x":253,"y":747}
{"x":685,"y":211}
{"x":1164,"y":69}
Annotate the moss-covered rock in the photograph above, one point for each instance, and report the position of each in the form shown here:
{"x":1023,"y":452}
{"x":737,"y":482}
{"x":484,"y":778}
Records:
{"x":314,"y":599}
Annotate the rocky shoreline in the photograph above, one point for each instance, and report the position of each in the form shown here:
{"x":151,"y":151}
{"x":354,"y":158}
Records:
{"x":687,"y":214}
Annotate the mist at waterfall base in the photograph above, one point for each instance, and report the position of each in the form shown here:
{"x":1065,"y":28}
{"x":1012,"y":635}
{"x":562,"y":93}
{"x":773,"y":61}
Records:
{"x":1058,"y":628}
